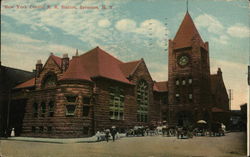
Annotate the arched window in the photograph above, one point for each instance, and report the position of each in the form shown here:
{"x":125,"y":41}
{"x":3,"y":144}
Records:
{"x":184,"y":81}
{"x":49,"y":80}
{"x":177,"y":82}
{"x":142,"y":101}
{"x":116,"y":103}
{"x":51,"y":108}
{"x":190,"y":80}
{"x":35,"y":109}
{"x":43,"y":109}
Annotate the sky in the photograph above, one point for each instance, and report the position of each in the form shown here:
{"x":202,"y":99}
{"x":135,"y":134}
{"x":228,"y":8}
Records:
{"x":129,"y":30}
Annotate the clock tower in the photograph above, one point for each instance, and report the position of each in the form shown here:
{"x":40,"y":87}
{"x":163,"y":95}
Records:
{"x":188,"y":76}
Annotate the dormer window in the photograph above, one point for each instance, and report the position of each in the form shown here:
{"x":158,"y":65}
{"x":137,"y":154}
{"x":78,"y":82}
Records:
{"x":49,"y":81}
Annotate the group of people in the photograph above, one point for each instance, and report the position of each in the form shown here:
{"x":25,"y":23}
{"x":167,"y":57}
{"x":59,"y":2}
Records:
{"x":106,"y":134}
{"x":217,"y":129}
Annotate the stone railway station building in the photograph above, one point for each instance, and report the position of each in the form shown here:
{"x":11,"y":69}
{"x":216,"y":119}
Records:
{"x":76,"y":97}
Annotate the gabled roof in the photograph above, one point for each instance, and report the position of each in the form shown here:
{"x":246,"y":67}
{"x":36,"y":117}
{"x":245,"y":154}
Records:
{"x":95,"y":63}
{"x":129,"y":67}
{"x":26,"y":84}
{"x":161,"y":86}
{"x":57,"y":60}
{"x":187,"y":33}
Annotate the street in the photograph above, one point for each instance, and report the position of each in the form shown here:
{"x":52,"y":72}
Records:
{"x":231,"y":145}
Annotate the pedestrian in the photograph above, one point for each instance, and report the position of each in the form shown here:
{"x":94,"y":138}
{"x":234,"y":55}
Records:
{"x":98,"y":135}
{"x":107,"y":135}
{"x":12,"y":132}
{"x":113,"y":133}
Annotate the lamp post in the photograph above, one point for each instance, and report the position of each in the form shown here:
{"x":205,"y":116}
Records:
{"x":8,"y":114}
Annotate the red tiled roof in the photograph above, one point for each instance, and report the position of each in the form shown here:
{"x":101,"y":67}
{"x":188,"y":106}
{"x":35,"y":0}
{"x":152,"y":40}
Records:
{"x":26,"y":84}
{"x":76,"y":70}
{"x":187,"y":33}
{"x":161,"y":86}
{"x":95,"y":63}
{"x":129,"y":67}
{"x":57,"y":59}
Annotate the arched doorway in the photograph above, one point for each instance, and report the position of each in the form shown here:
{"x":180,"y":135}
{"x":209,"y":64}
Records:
{"x":184,"y":118}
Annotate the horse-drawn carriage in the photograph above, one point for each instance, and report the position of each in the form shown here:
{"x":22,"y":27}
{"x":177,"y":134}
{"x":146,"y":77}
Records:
{"x":217,"y":129}
{"x":136,"y":131}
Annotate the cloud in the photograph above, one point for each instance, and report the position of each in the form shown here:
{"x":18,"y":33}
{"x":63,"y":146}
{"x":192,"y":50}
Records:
{"x":74,"y":22}
{"x":210,"y":22}
{"x":88,"y":25}
{"x":152,"y":27}
{"x":104,"y":23}
{"x":126,"y":25}
{"x":158,"y":71}
{"x":60,"y":49}
{"x":222,"y":39}
{"x":22,"y":51}
{"x":14,"y":37}
{"x":149,"y":32}
{"x":239,"y":30}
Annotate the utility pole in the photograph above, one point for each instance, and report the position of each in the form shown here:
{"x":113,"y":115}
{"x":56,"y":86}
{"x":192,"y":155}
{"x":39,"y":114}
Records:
{"x":230,"y":92}
{"x":248,"y":112}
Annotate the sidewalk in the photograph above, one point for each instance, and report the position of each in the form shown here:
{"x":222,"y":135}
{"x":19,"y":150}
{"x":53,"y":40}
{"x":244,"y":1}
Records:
{"x":57,"y":140}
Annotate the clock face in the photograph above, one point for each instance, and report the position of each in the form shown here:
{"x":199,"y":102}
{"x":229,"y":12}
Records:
{"x":183,"y":60}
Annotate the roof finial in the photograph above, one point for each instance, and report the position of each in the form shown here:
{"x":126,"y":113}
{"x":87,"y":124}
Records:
{"x":187,"y":5}
{"x":76,"y":52}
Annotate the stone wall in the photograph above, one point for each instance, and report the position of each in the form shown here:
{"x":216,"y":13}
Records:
{"x":61,"y":124}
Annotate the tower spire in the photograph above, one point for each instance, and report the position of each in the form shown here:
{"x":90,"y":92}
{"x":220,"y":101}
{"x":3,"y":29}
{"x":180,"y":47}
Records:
{"x":187,"y":5}
{"x":187,"y":33}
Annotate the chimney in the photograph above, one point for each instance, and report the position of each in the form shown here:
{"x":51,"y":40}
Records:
{"x":76,"y":52}
{"x":39,"y":67}
{"x":65,"y":62}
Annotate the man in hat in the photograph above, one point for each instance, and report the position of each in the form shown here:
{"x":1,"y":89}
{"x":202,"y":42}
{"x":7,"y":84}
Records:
{"x":113,"y":133}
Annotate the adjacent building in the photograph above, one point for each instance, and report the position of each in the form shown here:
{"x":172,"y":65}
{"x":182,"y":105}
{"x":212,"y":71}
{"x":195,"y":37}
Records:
{"x":9,"y":78}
